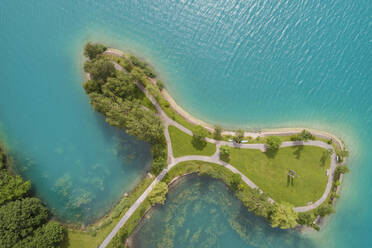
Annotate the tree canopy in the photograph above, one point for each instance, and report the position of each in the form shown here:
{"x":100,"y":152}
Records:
{"x":158,"y":193}
{"x":225,"y":153}
{"x":284,"y":216}
{"x":273,"y":143}
{"x":100,"y":69}
{"x":93,"y":50}
{"x":12,"y":187}
{"x":239,"y":135}
{"x":22,"y":219}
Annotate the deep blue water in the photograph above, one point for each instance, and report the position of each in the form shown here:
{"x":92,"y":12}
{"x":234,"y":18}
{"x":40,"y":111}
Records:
{"x":254,"y":64}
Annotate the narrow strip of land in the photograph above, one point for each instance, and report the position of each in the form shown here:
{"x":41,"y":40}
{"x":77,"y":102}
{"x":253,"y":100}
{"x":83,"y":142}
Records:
{"x":215,"y":158}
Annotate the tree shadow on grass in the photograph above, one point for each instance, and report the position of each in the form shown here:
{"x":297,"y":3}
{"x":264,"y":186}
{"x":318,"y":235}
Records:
{"x":298,"y":151}
{"x":198,"y":144}
{"x":323,"y":159}
{"x":271,"y":153}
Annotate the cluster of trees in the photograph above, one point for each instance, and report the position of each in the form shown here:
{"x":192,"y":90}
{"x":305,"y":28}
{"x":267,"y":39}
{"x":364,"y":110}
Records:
{"x":158,"y":193}
{"x":114,"y":94}
{"x":24,"y":220}
{"x":283,"y":216}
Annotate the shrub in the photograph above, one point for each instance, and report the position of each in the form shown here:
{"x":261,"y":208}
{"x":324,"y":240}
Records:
{"x":158,"y":193}
{"x":217,"y":133}
{"x":160,"y":85}
{"x":273,"y":143}
{"x":239,"y":135}
{"x":225,"y":153}
{"x":93,"y":50}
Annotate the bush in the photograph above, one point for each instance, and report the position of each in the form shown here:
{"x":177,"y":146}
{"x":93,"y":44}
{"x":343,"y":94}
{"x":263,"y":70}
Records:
{"x":324,"y":210}
{"x":93,"y":50}
{"x":160,"y":85}
{"x":303,"y":136}
{"x":236,"y":182}
{"x":198,"y":137}
{"x":217,"y":133}
{"x":158,"y":193}
{"x":225,"y":153}
{"x":100,"y":69}
{"x":239,"y":135}
{"x":273,"y":143}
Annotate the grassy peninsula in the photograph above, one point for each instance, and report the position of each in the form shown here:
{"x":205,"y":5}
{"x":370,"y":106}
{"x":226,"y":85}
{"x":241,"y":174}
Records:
{"x":271,"y":175}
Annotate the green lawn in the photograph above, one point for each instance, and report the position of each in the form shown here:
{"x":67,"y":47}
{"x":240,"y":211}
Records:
{"x":269,"y":172}
{"x":182,"y":144}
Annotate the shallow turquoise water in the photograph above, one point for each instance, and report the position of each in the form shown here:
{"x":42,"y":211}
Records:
{"x":201,"y":212}
{"x":254,"y":64}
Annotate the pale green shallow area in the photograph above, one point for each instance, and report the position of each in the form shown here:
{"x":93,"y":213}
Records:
{"x":201,"y":212}
{"x":252,"y":63}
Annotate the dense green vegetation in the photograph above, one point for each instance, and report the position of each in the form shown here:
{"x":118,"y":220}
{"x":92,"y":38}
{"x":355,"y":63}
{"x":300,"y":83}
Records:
{"x":283,"y":216}
{"x":96,"y":233}
{"x":91,"y":51}
{"x":158,"y":193}
{"x":184,"y":144}
{"x":23,"y":219}
{"x":115,"y":94}
{"x":269,"y":171}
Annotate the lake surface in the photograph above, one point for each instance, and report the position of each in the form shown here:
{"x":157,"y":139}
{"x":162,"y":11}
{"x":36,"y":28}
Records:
{"x":202,"y":212}
{"x":256,"y":64}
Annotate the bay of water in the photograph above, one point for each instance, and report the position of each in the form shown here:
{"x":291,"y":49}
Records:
{"x":255,"y":64}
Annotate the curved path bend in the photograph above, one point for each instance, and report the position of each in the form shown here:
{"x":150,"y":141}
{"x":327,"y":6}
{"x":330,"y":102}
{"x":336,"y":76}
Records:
{"x":172,"y":161}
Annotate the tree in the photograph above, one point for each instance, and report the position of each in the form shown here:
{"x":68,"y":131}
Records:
{"x":100,"y":69}
{"x":100,"y":103}
{"x":49,"y":235}
{"x":144,"y":125}
{"x":239,"y":135}
{"x":119,"y":87}
{"x":217,"y":132}
{"x":273,"y":143}
{"x":342,"y":155}
{"x":91,"y":86}
{"x":158,"y":193}
{"x":198,"y":137}
{"x":283,"y":216}
{"x":93,"y":50}
{"x":324,"y":210}
{"x":236,"y":182}
{"x":160,"y":85}
{"x":19,"y":219}
{"x":342,"y":169}
{"x":225,"y":153}
{"x":12,"y":187}
{"x":305,"y":218}
{"x":158,"y":165}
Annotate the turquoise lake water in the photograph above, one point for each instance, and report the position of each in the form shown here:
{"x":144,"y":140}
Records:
{"x":256,"y":64}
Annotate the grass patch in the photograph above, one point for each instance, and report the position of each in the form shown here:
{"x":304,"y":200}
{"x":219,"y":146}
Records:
{"x":96,"y":233}
{"x":269,"y":172}
{"x":182,"y":144}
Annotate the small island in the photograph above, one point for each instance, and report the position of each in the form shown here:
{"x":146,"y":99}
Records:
{"x":289,"y":177}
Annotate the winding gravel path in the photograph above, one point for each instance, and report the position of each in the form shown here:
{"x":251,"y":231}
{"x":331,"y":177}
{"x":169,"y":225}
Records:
{"x":172,"y":161}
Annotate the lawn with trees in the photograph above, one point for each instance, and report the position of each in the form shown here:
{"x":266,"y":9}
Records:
{"x":184,"y":144}
{"x":269,"y":171}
